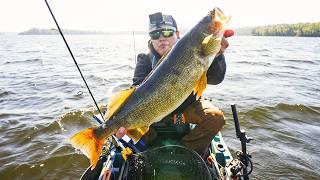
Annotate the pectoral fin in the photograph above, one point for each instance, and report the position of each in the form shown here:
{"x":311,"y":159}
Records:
{"x":117,"y":101}
{"x":211,"y":45}
{"x":136,"y":134}
{"x":200,"y":85}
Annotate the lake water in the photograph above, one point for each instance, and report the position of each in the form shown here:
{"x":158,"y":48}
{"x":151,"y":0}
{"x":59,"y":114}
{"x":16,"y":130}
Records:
{"x":275,"y":82}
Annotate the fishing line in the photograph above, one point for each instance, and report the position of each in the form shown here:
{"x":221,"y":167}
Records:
{"x":74,"y":60}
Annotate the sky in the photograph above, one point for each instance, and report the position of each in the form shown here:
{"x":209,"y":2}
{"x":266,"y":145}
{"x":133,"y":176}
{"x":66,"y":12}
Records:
{"x":129,"y":15}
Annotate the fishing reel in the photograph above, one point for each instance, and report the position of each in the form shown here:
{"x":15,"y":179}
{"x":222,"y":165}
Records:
{"x":243,"y":161}
{"x":237,"y":168}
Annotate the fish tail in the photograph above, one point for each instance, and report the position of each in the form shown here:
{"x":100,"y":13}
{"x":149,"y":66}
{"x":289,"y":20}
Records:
{"x":89,"y":143}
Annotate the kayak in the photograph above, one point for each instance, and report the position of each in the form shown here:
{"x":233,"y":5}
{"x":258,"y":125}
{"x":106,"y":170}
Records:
{"x":122,"y":159}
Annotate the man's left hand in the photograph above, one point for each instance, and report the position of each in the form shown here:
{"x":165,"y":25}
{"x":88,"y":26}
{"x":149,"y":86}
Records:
{"x":224,"y":45}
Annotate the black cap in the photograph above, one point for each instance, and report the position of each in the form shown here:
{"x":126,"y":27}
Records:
{"x":161,"y":21}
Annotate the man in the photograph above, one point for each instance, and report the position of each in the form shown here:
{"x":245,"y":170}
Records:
{"x":163,"y":31}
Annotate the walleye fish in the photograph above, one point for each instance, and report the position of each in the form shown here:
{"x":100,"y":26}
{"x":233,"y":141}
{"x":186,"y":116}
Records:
{"x":181,"y":72}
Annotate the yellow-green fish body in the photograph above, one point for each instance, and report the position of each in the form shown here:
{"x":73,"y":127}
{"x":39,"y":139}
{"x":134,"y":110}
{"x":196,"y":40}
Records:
{"x":180,"y":73}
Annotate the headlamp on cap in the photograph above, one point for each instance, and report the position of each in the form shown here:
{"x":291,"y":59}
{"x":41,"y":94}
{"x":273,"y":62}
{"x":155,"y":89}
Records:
{"x":160,"y":21}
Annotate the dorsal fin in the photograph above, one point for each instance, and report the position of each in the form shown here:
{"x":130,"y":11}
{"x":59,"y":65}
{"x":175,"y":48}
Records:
{"x":117,"y":100}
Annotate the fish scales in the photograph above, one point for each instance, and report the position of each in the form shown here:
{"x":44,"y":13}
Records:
{"x":166,"y":88}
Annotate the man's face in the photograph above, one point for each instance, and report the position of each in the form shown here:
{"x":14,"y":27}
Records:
{"x":163,"y":40}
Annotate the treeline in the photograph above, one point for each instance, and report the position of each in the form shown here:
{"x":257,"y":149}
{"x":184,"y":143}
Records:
{"x":300,"y":29}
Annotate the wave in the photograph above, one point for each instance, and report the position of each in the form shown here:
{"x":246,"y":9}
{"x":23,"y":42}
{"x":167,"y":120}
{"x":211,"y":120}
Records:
{"x":27,"y":51}
{"x":43,"y":148}
{"x":286,"y":132}
{"x":262,"y":50}
{"x":34,"y":60}
{"x":266,"y":64}
{"x":311,"y":62}
{"x":68,"y":165}
{"x":282,"y":111}
{"x":298,"y":107}
{"x":4,"y":93}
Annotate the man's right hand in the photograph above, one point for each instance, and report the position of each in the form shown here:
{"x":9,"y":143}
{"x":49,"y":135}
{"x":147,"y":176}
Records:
{"x":224,"y":45}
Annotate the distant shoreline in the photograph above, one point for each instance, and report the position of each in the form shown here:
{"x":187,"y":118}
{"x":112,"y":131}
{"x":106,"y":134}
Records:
{"x":37,"y":31}
{"x":297,"y":30}
{"x":286,"y":30}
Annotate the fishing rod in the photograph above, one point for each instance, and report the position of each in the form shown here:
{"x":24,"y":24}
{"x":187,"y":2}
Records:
{"x":96,"y":118}
{"x":74,"y":60}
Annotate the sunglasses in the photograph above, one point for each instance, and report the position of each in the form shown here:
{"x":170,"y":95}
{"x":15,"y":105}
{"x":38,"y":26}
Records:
{"x":165,"y":33}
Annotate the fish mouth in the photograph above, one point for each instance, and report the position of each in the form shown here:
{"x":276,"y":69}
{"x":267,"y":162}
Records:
{"x":218,"y":20}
